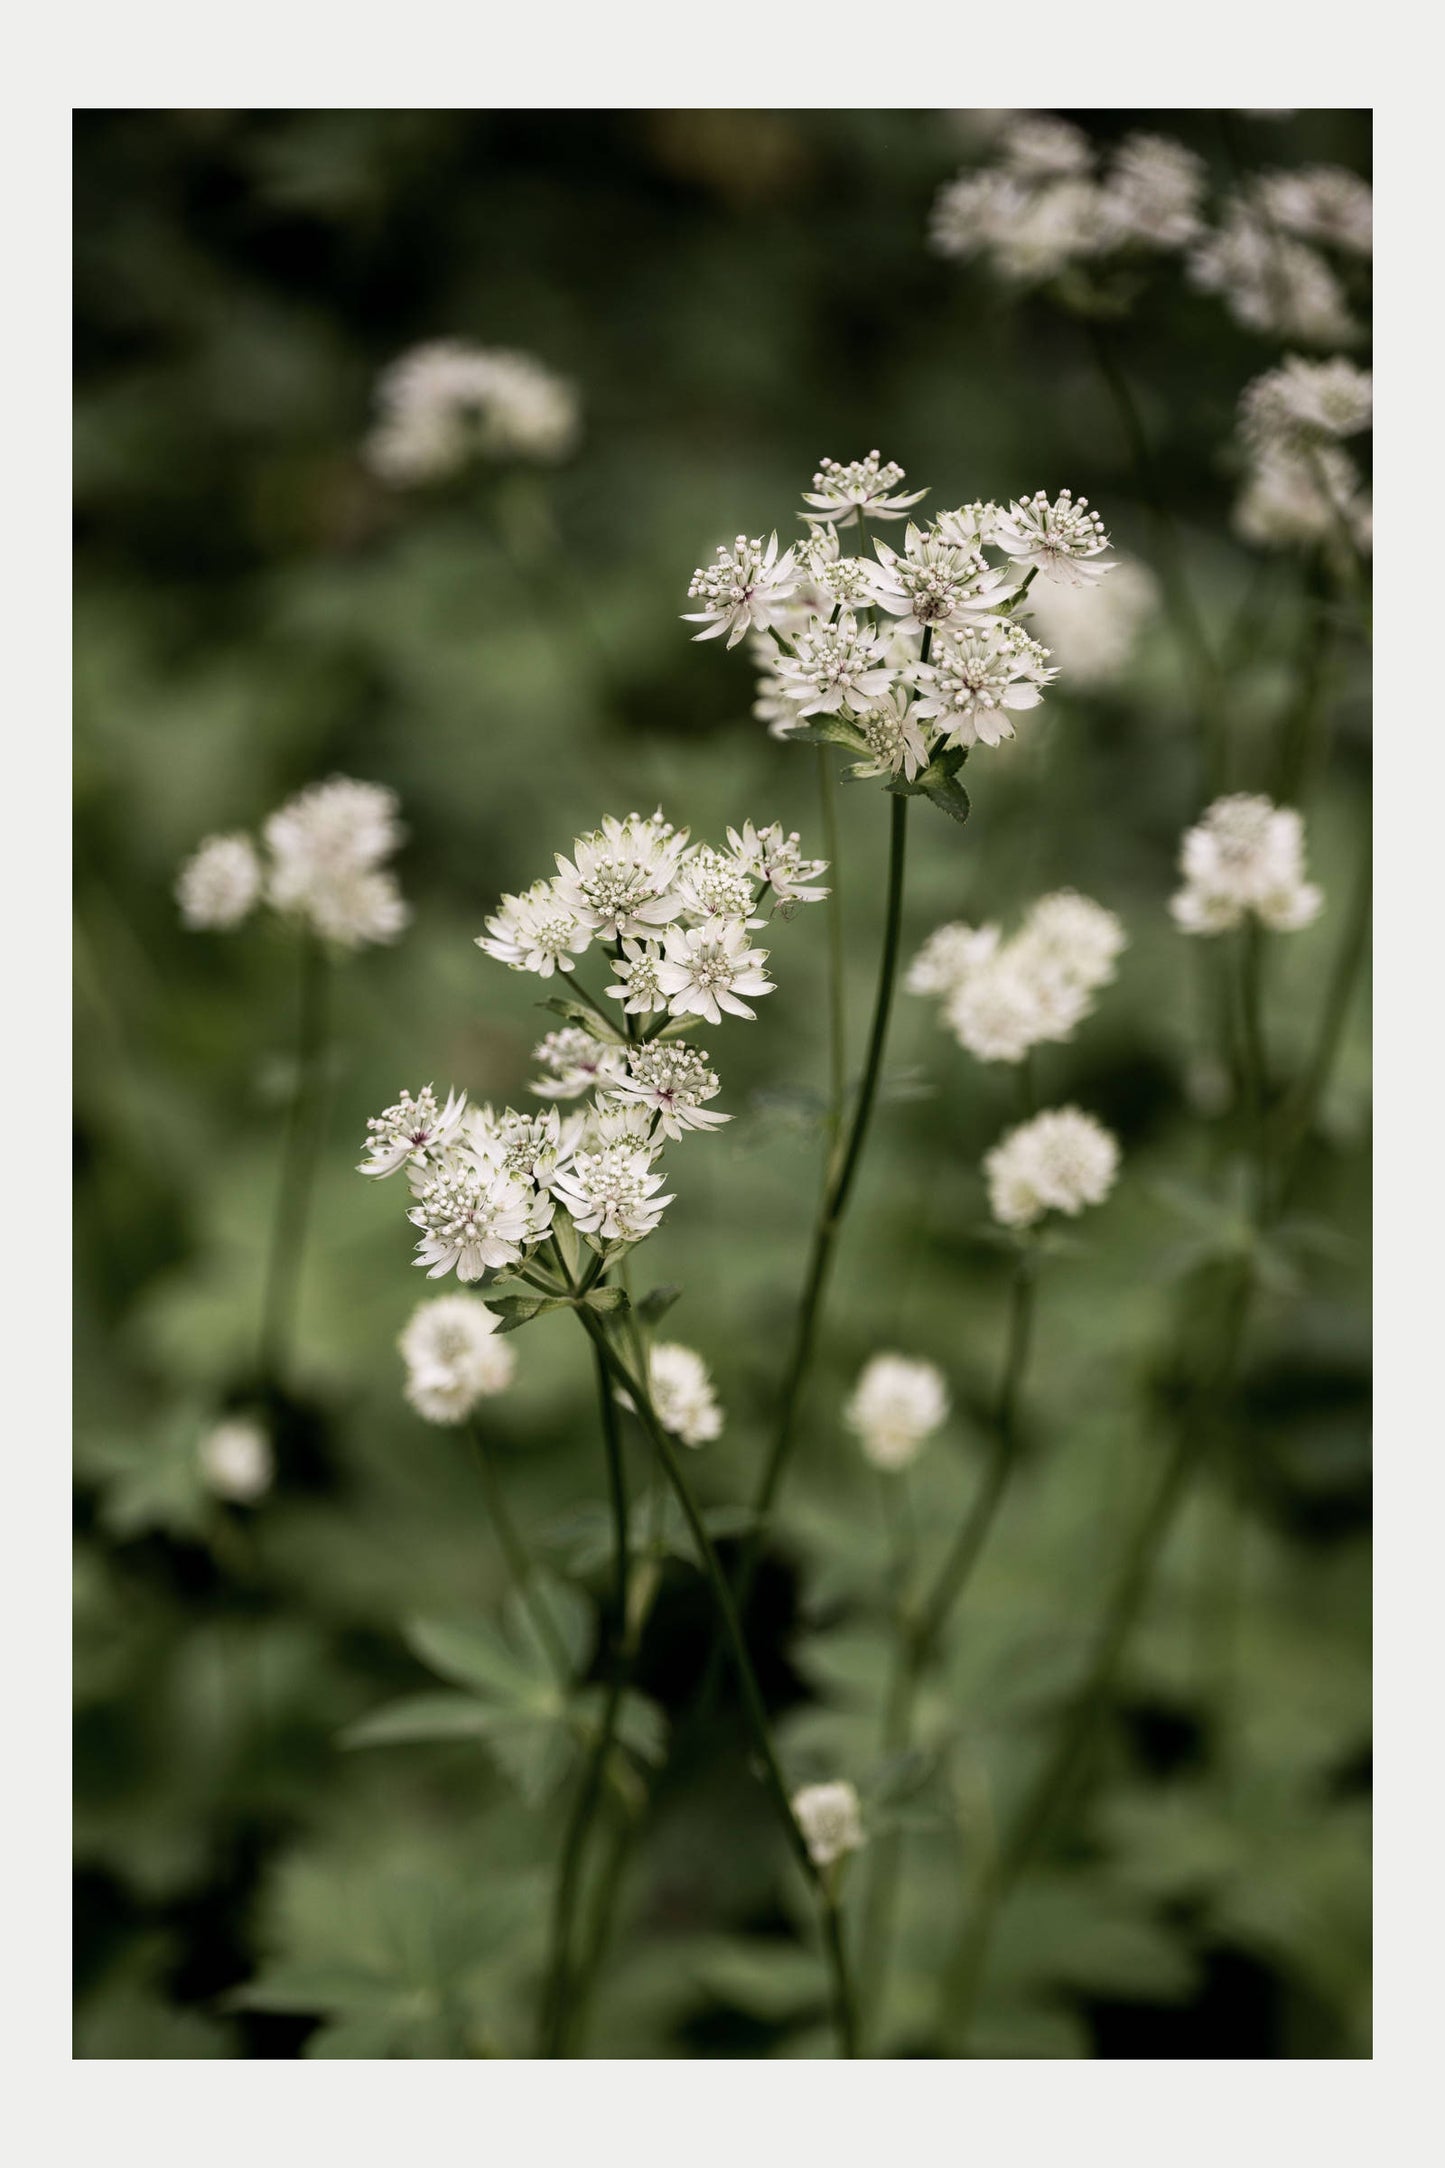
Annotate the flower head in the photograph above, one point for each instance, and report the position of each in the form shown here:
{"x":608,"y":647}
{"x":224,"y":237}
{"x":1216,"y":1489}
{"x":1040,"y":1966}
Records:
{"x":830,"y":1819}
{"x":936,"y":581}
{"x":746,"y":588}
{"x":532,"y":1146}
{"x":977,"y":678}
{"x":718,"y":884}
{"x":1269,"y":283}
{"x":619,"y":880}
{"x":896,"y":1404}
{"x":636,"y":969}
{"x":576,"y":1063}
{"x":836,"y":665}
{"x":1062,"y":540}
{"x":1305,"y":402}
{"x":237,"y":1461}
{"x":1302,"y":496}
{"x":1000,"y":1010}
{"x":536,"y":932}
{"x":896,"y":744}
{"x":475,"y":1217}
{"x":453,"y":1357}
{"x":682,"y":1393}
{"x":840,"y":493}
{"x":613,"y":1192}
{"x":706,"y":969}
{"x":1321,"y":203}
{"x":948,"y":956}
{"x":1060,"y":1162}
{"x":1152,"y":195}
{"x":221,"y":883}
{"x":326,"y":847}
{"x":1245,"y":856}
{"x":445,"y":403}
{"x":414,"y":1131}
{"x":776,"y":859}
{"x":1073,"y":937}
{"x":672,"y":1081}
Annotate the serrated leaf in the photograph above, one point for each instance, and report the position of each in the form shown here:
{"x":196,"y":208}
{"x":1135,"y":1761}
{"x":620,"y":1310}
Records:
{"x":513,"y":1311}
{"x":950,"y":797}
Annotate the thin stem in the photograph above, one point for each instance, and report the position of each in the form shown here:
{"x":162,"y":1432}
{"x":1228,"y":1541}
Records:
{"x":555,"y":2010}
{"x":520,"y":1568}
{"x":753,"y":1704}
{"x":1350,"y":955}
{"x":837,"y":1015}
{"x":299,"y":1154}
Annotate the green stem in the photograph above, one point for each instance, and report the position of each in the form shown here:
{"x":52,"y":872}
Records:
{"x":555,"y":2001}
{"x":299,"y":1155}
{"x":753,"y":1704}
{"x":1350,"y":955}
{"x":837,"y":1015}
{"x":522,"y":1572}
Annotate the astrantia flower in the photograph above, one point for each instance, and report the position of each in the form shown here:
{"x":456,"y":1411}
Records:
{"x":1071,"y":935}
{"x":777,"y":860}
{"x":673,"y":1081}
{"x":1061,"y":540}
{"x":935,"y":581}
{"x":576,"y":1063}
{"x":896,"y":744}
{"x":1060,"y":1162}
{"x":221,"y":883}
{"x":533,"y":1146}
{"x":682,"y":1393}
{"x":840,"y":493}
{"x":1091,"y":631}
{"x":1271,"y":284}
{"x":636,"y":969}
{"x":830,"y":1819}
{"x":896,"y":1404}
{"x":1000,"y":1010}
{"x":326,"y":847}
{"x":977,"y":677}
{"x":236,"y":1460}
{"x":358,"y":910}
{"x":1246,"y":855}
{"x":715,"y":884}
{"x":1321,"y":203}
{"x":968,"y":527}
{"x":1306,"y":402}
{"x":475,"y":1218}
{"x":837,"y":665}
{"x":613,"y":1192}
{"x":536,"y":932}
{"x":445,"y":403}
{"x":1042,"y":147}
{"x":619,"y":879}
{"x":705,"y":969}
{"x":1296,"y":496}
{"x":744,"y":589}
{"x":412,"y":1132}
{"x":948,"y":956}
{"x":454,"y":1357}
{"x":1152,"y":195}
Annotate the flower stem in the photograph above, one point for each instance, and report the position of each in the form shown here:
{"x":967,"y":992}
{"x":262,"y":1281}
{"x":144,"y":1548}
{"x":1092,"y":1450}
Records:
{"x":299,"y":1152}
{"x":555,"y":2001}
{"x":844,"y":2008}
{"x":837,"y":1015}
{"x":520,"y":1568}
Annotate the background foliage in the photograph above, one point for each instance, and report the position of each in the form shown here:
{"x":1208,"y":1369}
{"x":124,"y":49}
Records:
{"x":736,"y":294}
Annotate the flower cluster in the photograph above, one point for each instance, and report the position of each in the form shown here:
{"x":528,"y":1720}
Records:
{"x":1269,"y":281}
{"x":830,"y":1819}
{"x":490,"y":1189}
{"x":323,"y":867}
{"x":1060,"y":1161}
{"x":453,"y":1357}
{"x":1245,"y":858}
{"x":903,"y":655}
{"x":237,"y":1461}
{"x":1001,"y":998}
{"x":895,"y":1405}
{"x":446,"y":403}
{"x":1301,"y":488}
{"x":682,"y":1393}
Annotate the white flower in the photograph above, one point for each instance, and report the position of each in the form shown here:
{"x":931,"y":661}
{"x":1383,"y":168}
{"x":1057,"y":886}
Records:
{"x":1091,"y":631}
{"x":1321,"y":203}
{"x":1062,"y":540}
{"x":977,"y":677}
{"x":682,"y":1393}
{"x":705,"y":969}
{"x":716,"y":884}
{"x":613,"y":1192}
{"x":532,"y":1146}
{"x":1059,"y":1161}
{"x":639,"y":991}
{"x":1296,"y":496}
{"x":535,"y":932}
{"x":445,"y":403}
{"x":1029,"y":228}
{"x":744,"y":589}
{"x":358,"y":909}
{"x":1246,"y":855}
{"x":829,"y":1817}
{"x":778,"y":862}
{"x":622,"y":877}
{"x":453,"y":1357}
{"x":948,"y":956}
{"x":672,"y":1081}
{"x":413,"y":1131}
{"x":836,"y":665}
{"x":1071,"y":935}
{"x":896,"y":745}
{"x":935,"y":580}
{"x":475,"y":1217}
{"x":1042,"y":147}
{"x":969,"y":527}
{"x":1152,"y":194}
{"x":1271,"y":284}
{"x":576,"y":1063}
{"x":840,"y":493}
{"x":236,"y":1460}
{"x":1002,"y":1008}
{"x":1307,"y":401}
{"x":220,"y":884}
{"x":326,"y":846}
{"x":896,"y":1404}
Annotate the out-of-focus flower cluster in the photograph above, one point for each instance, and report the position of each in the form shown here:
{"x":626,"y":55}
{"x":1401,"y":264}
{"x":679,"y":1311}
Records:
{"x":490,"y":1188}
{"x":445,"y":404}
{"x":830,"y":1818}
{"x":898,"y":654}
{"x":1245,"y":859}
{"x":1059,"y":1161}
{"x":321,"y":864}
{"x":1001,"y":998}
{"x":1301,"y":488}
{"x":896,"y":1404}
{"x":453,"y":1357}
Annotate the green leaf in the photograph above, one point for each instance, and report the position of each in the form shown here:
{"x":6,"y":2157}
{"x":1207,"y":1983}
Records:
{"x":423,"y":1716}
{"x":657,"y":1302}
{"x":516,"y":1310}
{"x":949,"y":796}
{"x":605,"y":1300}
{"x":474,"y":1654}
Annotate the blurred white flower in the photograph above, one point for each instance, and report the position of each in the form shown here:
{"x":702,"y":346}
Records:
{"x":326,"y":847}
{"x":830,"y":1819}
{"x":743,"y":590}
{"x":446,"y":403}
{"x":839,"y":493}
{"x":414,"y":1130}
{"x":1091,"y":631}
{"x":221,"y":883}
{"x":1245,"y":856}
{"x":1295,"y":496}
{"x":683,"y":1394}
{"x":236,"y":1460}
{"x":706,"y":969}
{"x":895,"y":1405}
{"x":1321,"y":203}
{"x":1004,"y":1007}
{"x":1270,"y":283}
{"x":1001,"y":998}
{"x":1306,"y":401}
{"x":947,"y":957}
{"x":1042,"y":147}
{"x":1152,"y":195}
{"x":576,"y":1063}
{"x":1073,"y":937}
{"x":1058,"y":1162}
{"x":453,"y":1357}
